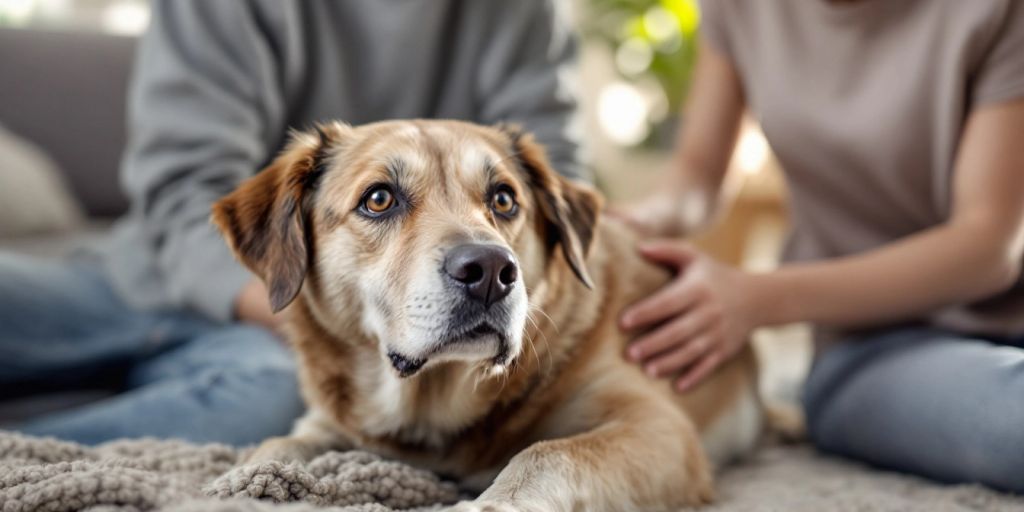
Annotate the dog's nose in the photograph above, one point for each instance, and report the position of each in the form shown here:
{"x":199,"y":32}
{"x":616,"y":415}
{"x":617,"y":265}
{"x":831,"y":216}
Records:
{"x":487,"y":271}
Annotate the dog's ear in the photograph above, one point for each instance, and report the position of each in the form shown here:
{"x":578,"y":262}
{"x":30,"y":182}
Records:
{"x":266,"y":219}
{"x":569,"y":209}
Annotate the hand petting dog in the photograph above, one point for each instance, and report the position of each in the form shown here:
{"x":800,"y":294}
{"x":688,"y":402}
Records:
{"x":700,"y":319}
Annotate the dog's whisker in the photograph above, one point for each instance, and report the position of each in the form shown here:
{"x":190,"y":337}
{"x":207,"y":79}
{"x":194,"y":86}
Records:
{"x":530,"y":342}
{"x":498,"y":369}
{"x":536,"y":308}
{"x":547,"y":346}
{"x":476,"y":381}
{"x":504,"y":381}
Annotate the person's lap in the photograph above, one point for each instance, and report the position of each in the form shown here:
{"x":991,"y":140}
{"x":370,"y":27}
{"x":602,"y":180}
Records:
{"x":62,"y":326}
{"x":941,"y":405}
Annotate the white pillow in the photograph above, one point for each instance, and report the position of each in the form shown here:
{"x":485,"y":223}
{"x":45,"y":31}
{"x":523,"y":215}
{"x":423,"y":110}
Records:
{"x":33,"y":197}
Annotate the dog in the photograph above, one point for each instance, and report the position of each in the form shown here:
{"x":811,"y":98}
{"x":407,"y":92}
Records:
{"x":453,"y":303}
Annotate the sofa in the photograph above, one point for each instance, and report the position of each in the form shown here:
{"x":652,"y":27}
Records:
{"x":64,"y":93}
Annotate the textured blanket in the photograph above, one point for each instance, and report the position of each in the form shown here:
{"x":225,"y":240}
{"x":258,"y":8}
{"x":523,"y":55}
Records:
{"x":49,"y":475}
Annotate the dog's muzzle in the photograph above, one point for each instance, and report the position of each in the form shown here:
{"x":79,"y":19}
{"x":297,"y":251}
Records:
{"x":480,"y":277}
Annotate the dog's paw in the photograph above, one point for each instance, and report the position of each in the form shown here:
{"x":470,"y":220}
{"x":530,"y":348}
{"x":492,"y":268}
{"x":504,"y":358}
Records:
{"x":484,"y":506}
{"x":279,"y":449}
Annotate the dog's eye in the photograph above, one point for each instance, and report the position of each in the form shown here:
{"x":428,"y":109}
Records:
{"x":503,"y":202}
{"x":379,"y":200}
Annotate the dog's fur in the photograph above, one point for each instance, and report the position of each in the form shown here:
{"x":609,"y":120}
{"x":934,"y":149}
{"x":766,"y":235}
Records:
{"x":544,"y":414}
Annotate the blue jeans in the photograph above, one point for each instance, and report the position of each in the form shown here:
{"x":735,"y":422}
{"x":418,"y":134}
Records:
{"x":941,"y":405}
{"x":177,"y":375}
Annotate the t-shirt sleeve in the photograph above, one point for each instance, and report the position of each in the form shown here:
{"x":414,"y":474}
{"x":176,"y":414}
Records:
{"x":714,"y":26}
{"x":1001,"y":74}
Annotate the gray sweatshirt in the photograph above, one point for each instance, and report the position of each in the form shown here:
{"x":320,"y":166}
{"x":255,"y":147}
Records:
{"x":218,"y":83}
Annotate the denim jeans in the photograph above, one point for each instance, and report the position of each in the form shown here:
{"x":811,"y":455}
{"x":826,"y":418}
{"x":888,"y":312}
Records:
{"x":942,"y":405}
{"x":177,"y":375}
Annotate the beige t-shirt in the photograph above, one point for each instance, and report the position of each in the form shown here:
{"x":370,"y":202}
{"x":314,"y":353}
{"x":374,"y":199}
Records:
{"x":864,"y":104}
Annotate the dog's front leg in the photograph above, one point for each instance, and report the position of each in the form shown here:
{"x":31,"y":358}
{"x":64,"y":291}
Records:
{"x":649,"y":461}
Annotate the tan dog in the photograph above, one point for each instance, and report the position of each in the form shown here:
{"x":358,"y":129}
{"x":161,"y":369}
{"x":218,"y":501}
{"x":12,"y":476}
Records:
{"x":446,"y":313}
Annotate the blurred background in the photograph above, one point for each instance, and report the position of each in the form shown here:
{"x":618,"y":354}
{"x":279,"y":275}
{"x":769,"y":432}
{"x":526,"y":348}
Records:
{"x":58,"y":187}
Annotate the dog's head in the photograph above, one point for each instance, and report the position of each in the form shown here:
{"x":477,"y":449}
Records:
{"x":426,"y":235}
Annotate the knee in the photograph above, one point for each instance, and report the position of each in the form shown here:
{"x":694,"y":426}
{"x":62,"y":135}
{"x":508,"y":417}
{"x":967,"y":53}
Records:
{"x":250,"y":402}
{"x":255,"y":367}
{"x":270,"y":388}
{"x":250,"y":379}
{"x":243,"y":347}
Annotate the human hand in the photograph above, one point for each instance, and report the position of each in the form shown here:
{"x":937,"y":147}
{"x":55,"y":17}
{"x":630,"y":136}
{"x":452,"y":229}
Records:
{"x":700,"y":319}
{"x":252,"y":305}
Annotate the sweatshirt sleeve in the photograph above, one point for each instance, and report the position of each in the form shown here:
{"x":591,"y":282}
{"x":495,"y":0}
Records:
{"x":529,"y":79}
{"x":204,"y":107}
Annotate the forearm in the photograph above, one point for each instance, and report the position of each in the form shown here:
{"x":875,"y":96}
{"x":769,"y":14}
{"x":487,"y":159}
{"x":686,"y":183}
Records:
{"x":949,"y":264}
{"x":713,"y":114}
{"x":699,"y":195}
{"x":975,"y":254}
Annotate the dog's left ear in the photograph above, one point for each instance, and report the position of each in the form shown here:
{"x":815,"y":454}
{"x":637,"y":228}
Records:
{"x":265,"y":220}
{"x":569,"y":208}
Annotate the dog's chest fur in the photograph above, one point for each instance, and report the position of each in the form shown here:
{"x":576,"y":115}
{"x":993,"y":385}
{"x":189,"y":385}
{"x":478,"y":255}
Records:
{"x":426,"y":413}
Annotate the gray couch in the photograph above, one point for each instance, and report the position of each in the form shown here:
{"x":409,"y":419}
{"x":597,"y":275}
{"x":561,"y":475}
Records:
{"x":65,"y":92}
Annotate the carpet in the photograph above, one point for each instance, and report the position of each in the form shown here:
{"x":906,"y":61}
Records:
{"x":40,"y":474}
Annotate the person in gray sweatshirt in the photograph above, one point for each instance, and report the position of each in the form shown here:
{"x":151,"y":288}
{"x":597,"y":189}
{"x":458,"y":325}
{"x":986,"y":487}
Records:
{"x":165,"y":310}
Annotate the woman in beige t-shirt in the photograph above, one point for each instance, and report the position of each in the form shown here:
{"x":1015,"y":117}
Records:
{"x":900,"y":127}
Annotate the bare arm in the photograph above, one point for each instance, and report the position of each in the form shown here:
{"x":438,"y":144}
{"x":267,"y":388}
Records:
{"x":707,"y":313}
{"x":976,"y":253}
{"x":704,"y":147}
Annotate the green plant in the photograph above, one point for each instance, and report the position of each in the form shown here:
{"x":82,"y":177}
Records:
{"x":649,"y":39}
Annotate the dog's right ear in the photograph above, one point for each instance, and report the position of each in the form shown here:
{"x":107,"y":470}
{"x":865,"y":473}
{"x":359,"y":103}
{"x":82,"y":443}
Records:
{"x":265,"y":220}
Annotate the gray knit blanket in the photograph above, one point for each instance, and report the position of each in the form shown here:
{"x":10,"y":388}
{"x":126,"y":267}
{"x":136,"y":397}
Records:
{"x":141,"y":475}
{"x":44,"y":474}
